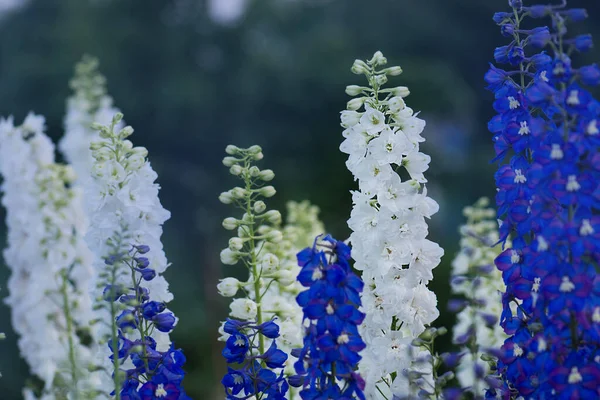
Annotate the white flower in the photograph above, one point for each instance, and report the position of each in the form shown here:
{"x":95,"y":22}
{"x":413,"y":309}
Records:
{"x":228,"y":287}
{"x":389,"y":147}
{"x":244,"y":309}
{"x":416,"y":163}
{"x":350,"y":118}
{"x":373,"y":121}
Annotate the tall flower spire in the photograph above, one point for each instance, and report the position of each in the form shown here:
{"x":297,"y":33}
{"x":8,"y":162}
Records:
{"x":88,"y":104}
{"x":49,"y":261}
{"x":548,"y":202}
{"x":479,"y":283}
{"x":125,"y":231}
{"x":389,"y":229}
{"x":252,"y":333}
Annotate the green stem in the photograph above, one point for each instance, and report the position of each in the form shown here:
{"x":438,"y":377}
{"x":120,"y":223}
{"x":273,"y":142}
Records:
{"x":72,"y":359}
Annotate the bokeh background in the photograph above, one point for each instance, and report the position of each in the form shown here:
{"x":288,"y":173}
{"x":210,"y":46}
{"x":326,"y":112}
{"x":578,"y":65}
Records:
{"x":192,"y":76}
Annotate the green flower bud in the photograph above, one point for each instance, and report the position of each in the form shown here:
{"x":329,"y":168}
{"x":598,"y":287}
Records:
{"x":238,"y":192}
{"x":236,"y":169}
{"x":378,"y":59}
{"x":266,"y":175}
{"x":229,"y":161}
{"x":254,"y":171}
{"x":381,"y":80}
{"x":392,"y":71}
{"x":232,"y":150}
{"x":258,"y":156}
{"x":259,"y":207}
{"x":401,"y":91}
{"x":97,"y":126}
{"x":355,"y":103}
{"x":236,"y":244}
{"x":273,"y":216}
{"x":230,"y":223}
{"x":226,"y":197}
{"x":275,"y":236}
{"x":117,"y":118}
{"x":267,"y":191}
{"x":96,"y":146}
{"x":254,"y":149}
{"x":125,"y":132}
{"x":360,"y":67}
{"x":354,"y":90}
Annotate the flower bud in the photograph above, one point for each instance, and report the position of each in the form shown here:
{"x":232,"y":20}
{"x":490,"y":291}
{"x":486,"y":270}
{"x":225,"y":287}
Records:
{"x":228,"y":287}
{"x":360,"y":67}
{"x":378,"y":59}
{"x":232,"y":150}
{"x":355,"y":103}
{"x":354,"y":90}
{"x":396,"y":104}
{"x":393,"y":71}
{"x":258,"y":156}
{"x":255,"y":149}
{"x":244,"y":309}
{"x":401,"y":91}
{"x":349,"y":118}
{"x":229,"y":257}
{"x":226,"y":197}
{"x":125,"y":132}
{"x":229,"y":161}
{"x":275,"y":236}
{"x":254,"y":171}
{"x":230,"y":223}
{"x":117,"y":118}
{"x":238,"y":192}
{"x":236,"y":169}
{"x":381,"y":80}
{"x":97,"y":126}
{"x":266,"y":175}
{"x":267,"y":191}
{"x":96,"y":145}
{"x":273,"y":216}
{"x":236,"y":244}
{"x":259,"y":207}
{"x":285,"y":277}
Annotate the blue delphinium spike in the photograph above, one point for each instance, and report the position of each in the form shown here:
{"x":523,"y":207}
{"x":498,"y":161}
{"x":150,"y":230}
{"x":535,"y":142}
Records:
{"x":326,"y":364}
{"x":548,"y":202}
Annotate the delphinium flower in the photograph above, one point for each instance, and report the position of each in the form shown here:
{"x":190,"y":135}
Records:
{"x":49,"y":261}
{"x":89,"y":103}
{"x":256,"y":362}
{"x":301,"y":227}
{"x":389,"y":229}
{"x":328,"y":360}
{"x":126,"y":220}
{"x":479,"y":283}
{"x":548,"y":203}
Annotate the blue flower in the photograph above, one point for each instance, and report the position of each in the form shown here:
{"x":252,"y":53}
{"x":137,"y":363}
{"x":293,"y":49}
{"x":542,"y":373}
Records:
{"x":331,"y":341}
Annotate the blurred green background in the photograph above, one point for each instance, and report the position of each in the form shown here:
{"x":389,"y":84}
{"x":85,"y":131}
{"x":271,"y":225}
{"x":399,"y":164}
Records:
{"x":192,"y":76}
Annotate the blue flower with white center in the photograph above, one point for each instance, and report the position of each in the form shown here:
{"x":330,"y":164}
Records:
{"x":547,"y":201}
{"x":327,"y":362}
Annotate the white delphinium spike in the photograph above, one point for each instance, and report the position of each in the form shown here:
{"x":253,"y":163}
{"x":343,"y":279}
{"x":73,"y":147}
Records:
{"x":480,"y":283}
{"x":48,"y":258}
{"x":382,"y":137}
{"x":124,"y":210}
{"x":89,"y":103}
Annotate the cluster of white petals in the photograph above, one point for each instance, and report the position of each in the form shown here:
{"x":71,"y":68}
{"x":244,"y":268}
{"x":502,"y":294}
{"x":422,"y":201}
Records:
{"x":477,"y":280}
{"x":123,"y":209}
{"x":382,"y":136}
{"x":88,"y":104}
{"x":49,"y":261}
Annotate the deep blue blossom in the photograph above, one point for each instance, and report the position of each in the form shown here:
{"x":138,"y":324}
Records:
{"x":548,"y":201}
{"x":327,"y":362}
{"x":252,"y":373}
{"x":155,"y":375}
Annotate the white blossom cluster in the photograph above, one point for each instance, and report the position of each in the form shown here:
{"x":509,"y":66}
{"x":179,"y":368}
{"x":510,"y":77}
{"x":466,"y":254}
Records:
{"x":88,"y":104}
{"x":389,"y":244}
{"x":124,"y":209}
{"x":480,"y":283}
{"x":49,"y":261}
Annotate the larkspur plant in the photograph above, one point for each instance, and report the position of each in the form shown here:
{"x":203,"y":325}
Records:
{"x":475,"y":278}
{"x":327,"y":362}
{"x":126,"y":225}
{"x":248,"y":333}
{"x":51,"y":305}
{"x":389,"y":230}
{"x":548,"y":204}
